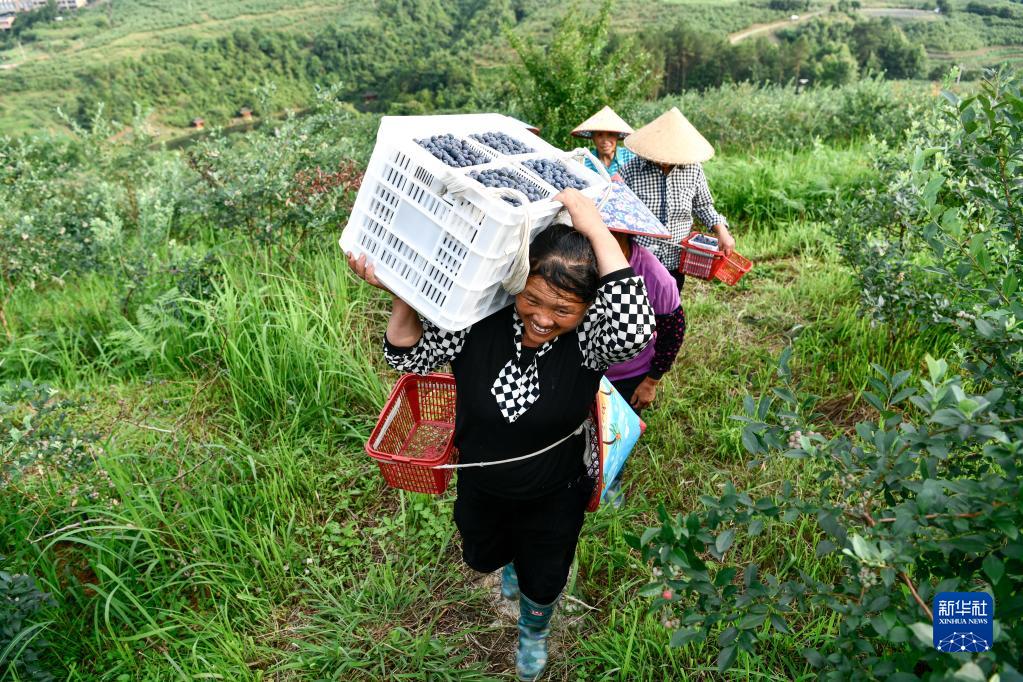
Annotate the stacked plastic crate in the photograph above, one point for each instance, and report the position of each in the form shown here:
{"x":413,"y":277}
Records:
{"x":438,"y":236}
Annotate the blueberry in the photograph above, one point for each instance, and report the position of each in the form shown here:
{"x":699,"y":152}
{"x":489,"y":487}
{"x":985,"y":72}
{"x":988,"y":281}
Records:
{"x":502,"y":143}
{"x":452,"y":151}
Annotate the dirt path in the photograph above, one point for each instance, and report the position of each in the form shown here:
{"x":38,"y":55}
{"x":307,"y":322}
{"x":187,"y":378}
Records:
{"x":898,"y":13}
{"x":890,"y":12}
{"x":757,"y":29}
{"x":980,"y":52}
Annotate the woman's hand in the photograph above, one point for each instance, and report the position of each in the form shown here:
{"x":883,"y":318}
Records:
{"x":365,"y":271}
{"x":404,"y":328}
{"x":587,"y":221}
{"x":645,"y":394}
{"x":726,"y":243}
{"x":585,"y":216}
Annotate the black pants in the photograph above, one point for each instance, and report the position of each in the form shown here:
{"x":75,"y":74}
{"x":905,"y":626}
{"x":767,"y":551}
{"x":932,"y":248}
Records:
{"x":680,"y":279}
{"x":538,"y":535}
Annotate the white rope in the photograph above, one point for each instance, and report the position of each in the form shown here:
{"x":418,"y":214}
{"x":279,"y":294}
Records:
{"x":580,"y":429}
{"x":515,"y":282}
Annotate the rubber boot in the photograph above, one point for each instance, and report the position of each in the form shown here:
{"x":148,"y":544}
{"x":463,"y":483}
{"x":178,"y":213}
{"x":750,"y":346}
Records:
{"x":534,"y":627}
{"x":509,"y":582}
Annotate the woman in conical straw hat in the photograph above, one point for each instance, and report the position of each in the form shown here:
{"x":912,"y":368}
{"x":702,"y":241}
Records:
{"x":669,"y":179}
{"x":606,"y":128}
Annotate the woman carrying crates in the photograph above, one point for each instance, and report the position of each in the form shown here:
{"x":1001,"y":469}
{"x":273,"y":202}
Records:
{"x":526,"y":377}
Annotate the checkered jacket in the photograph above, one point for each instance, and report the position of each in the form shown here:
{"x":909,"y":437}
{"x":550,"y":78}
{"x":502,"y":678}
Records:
{"x":674,"y":198}
{"x":616,"y":327}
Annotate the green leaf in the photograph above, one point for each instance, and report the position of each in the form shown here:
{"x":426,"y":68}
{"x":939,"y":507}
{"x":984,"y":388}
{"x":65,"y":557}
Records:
{"x":951,"y":223}
{"x":863,"y":549}
{"x":779,"y":623}
{"x":824,"y":547}
{"x":685,"y":636}
{"x":633,"y":542}
{"x":1009,"y":285}
{"x":924,"y":633}
{"x":724,"y":576}
{"x":751,"y":621}
{"x":750,"y":442}
{"x":971,"y":672}
{"x":726,"y":658}
{"x":755,"y":528}
{"x":724,"y":541}
{"x":831,"y":526}
{"x":728,"y":635}
{"x":815,"y":659}
{"x":930,"y":491}
{"x":937,"y":369}
{"x":994,"y":568}
{"x":648,"y":535}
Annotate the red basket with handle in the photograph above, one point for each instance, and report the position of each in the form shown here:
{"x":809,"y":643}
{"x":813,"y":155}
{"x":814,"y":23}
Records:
{"x":413,"y":436}
{"x":731,"y":268}
{"x":414,"y":432}
{"x":702,"y":261}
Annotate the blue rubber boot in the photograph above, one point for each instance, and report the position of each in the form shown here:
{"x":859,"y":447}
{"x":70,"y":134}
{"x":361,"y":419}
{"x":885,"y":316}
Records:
{"x":509,"y":582}
{"x":534,"y":627}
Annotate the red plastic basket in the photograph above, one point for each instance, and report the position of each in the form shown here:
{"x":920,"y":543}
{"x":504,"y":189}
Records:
{"x":700,"y":261}
{"x":414,"y":432}
{"x":731,"y":268}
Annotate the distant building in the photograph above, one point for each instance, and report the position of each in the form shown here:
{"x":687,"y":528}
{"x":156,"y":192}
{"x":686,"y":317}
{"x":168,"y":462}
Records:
{"x":12,"y":6}
{"x":6,"y":22}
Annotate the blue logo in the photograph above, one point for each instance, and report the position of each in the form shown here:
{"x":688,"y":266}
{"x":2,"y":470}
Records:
{"x":963,"y":621}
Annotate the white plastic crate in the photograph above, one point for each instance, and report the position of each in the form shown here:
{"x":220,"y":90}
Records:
{"x":445,"y":252}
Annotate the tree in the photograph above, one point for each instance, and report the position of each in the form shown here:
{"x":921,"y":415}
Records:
{"x":559,"y":85}
{"x":837,"y":68}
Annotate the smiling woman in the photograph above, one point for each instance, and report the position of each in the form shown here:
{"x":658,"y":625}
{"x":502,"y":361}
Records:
{"x":525,"y":379}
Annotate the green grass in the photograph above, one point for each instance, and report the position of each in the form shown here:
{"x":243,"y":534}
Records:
{"x":245,"y":535}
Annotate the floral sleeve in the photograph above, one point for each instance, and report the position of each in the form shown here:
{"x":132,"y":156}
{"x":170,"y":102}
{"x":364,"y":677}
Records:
{"x":619,"y":324}
{"x":434,"y":349}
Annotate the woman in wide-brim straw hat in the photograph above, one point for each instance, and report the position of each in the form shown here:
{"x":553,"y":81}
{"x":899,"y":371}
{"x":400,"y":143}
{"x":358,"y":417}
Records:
{"x":606,"y":128}
{"x":669,"y":179}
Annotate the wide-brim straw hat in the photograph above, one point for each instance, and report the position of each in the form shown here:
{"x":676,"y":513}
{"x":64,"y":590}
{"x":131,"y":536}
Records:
{"x":670,"y":138}
{"x":605,"y":120}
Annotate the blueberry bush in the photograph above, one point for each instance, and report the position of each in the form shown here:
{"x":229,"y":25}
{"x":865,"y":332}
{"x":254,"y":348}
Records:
{"x":22,"y":649}
{"x":927,"y":495}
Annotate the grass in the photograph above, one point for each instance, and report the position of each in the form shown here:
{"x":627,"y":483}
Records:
{"x":244,"y":534}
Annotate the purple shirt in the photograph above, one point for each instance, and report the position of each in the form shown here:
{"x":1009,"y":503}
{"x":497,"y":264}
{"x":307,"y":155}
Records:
{"x":663,"y":294}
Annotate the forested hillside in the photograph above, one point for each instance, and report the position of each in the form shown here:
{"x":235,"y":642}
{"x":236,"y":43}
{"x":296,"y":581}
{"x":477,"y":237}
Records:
{"x":179,"y":61}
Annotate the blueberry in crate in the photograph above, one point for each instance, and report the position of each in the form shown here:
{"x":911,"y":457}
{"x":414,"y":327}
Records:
{"x":555,"y":174}
{"x":706,"y":241}
{"x":502,"y":143}
{"x":505,"y":177}
{"x":453,"y":151}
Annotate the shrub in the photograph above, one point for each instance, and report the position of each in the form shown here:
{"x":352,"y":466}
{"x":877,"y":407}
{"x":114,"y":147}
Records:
{"x":747,"y":117}
{"x":925,"y":498}
{"x":282,"y":185}
{"x":21,"y":646}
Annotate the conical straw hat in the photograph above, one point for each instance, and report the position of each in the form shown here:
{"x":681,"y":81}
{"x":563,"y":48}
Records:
{"x":670,"y":138}
{"x":605,"y":120}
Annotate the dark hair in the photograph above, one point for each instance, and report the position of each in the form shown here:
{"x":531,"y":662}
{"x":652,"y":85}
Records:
{"x":565,"y":258}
